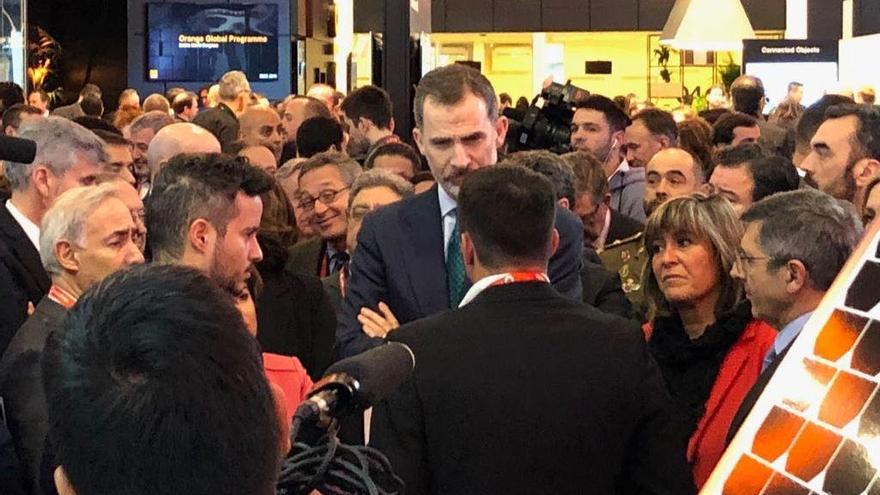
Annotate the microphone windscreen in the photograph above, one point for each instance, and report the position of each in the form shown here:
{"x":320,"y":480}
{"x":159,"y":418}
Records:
{"x":379,"y":371}
{"x":18,"y":150}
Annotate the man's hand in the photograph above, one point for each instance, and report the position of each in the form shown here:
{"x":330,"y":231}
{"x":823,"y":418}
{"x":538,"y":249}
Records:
{"x":378,"y":325}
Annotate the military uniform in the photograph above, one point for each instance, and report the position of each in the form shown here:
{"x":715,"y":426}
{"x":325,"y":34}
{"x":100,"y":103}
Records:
{"x":627,"y":257}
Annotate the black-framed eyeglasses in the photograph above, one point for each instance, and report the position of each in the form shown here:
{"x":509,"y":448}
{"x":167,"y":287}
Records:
{"x":327,"y":196}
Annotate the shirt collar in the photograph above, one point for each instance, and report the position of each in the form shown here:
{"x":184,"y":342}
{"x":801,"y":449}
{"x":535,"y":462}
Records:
{"x":621,"y":169}
{"x":481,"y":285}
{"x":790,"y":332}
{"x":447,"y":202}
{"x":31,"y":230}
{"x":599,"y":245}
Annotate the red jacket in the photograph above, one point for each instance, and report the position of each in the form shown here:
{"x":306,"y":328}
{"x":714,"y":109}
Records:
{"x":739,"y":371}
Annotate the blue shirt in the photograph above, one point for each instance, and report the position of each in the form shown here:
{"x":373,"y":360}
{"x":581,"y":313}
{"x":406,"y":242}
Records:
{"x":448,"y":216}
{"x":785,"y":338}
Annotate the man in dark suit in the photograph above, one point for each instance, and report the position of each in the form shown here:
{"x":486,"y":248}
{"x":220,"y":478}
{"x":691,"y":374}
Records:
{"x":87,"y":234}
{"x":222,"y":120}
{"x":67,"y":156}
{"x":747,"y":93}
{"x":408,"y":255}
{"x":75,"y":110}
{"x":491,"y":407}
{"x":795,"y":244}
{"x":325,"y":182}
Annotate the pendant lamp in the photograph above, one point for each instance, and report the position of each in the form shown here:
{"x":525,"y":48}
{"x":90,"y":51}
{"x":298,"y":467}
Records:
{"x":707,"y":25}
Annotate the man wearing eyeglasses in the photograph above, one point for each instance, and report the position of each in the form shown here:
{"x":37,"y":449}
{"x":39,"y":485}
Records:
{"x":795,"y":244}
{"x":324,"y":184}
{"x":260,"y":126}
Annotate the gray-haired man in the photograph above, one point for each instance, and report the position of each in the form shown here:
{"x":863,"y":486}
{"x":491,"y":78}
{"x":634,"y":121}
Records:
{"x":67,"y":156}
{"x":87,"y":235}
{"x":794,"y":245}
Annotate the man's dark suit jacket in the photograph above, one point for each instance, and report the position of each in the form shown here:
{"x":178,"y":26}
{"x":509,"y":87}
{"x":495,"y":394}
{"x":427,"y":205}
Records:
{"x":295,"y":317}
{"x":525,"y":391}
{"x":622,"y":227}
{"x":22,"y":276}
{"x":21,"y":387}
{"x":305,"y":257}
{"x":222,"y":123}
{"x":69,"y":112}
{"x":400,"y":260}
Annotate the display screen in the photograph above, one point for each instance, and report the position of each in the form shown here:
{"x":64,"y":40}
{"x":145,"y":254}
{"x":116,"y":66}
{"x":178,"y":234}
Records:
{"x":201,"y":42}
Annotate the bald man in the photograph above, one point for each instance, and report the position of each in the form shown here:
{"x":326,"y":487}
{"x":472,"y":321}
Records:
{"x":261,"y":126}
{"x":260,"y":157}
{"x":327,"y":94}
{"x":672,"y":173}
{"x":176,"y":139}
{"x":297,"y":110}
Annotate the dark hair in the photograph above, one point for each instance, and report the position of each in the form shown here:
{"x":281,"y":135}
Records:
{"x":422,"y":176}
{"x":787,"y":111}
{"x":813,"y":117}
{"x":448,"y":86}
{"x":10,"y":94}
{"x":154,"y":386}
{"x":550,"y":165}
{"x":522,"y":103}
{"x":91,"y":90}
{"x":866,"y":140}
{"x":112,"y":138}
{"x":722,"y":131}
{"x":713,"y":115}
{"x":92,"y":105}
{"x":192,"y":186}
{"x":770,"y":174}
{"x":616,"y":118}
{"x":96,"y":123}
{"x":747,"y":93}
{"x":12,"y":115}
{"x":317,"y":135}
{"x":659,"y":123}
{"x":394,"y":149}
{"x":371,"y":103}
{"x":589,"y":176}
{"x":509,"y":213}
{"x":505,"y":98}
{"x":695,"y":135}
{"x":181,"y":103}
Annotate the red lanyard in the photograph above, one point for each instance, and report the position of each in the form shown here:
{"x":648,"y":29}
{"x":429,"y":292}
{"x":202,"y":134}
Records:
{"x":520,"y":277}
{"x":61,"y":296}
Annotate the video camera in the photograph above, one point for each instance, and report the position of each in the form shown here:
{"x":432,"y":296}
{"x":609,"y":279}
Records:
{"x":546,"y":124}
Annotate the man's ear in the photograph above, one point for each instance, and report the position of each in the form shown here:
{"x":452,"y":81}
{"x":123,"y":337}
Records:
{"x":40,"y":179}
{"x":65,"y":254}
{"x":798,"y":276}
{"x":664,"y":142}
{"x":202,"y":236}
{"x":391,"y":125}
{"x":501,"y":126}
{"x":607,"y":199}
{"x":62,"y":484}
{"x":866,"y":171}
{"x":417,"y":138}
{"x":468,"y":253}
{"x":554,"y":243}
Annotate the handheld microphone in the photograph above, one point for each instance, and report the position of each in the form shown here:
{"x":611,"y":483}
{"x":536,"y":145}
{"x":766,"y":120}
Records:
{"x":356,"y":383}
{"x":18,"y":150}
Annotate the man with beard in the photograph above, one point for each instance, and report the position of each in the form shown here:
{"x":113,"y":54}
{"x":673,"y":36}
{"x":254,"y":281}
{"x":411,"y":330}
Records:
{"x":598,"y":126}
{"x":671,"y":173}
{"x":845,"y":154}
{"x":367,"y":113}
{"x":409,"y":253}
{"x":260,"y":126}
{"x":204,"y":212}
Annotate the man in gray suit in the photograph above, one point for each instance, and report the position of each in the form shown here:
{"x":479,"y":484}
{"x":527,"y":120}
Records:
{"x":75,"y":110}
{"x":86,"y":235}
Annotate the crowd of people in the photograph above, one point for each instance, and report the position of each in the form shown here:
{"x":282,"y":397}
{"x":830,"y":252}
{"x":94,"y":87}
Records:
{"x":601,"y":320}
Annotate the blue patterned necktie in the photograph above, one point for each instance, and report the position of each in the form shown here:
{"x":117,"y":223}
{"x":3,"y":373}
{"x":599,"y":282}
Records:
{"x":456,"y":278}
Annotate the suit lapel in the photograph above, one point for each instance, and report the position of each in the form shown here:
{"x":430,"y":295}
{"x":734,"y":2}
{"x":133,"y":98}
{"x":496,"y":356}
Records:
{"x":423,"y":252}
{"x":23,"y":250}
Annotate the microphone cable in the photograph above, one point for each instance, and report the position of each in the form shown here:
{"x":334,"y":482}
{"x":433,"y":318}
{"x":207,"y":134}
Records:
{"x":336,"y":469}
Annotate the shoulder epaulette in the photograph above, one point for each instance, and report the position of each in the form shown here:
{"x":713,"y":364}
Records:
{"x":626,"y":240}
